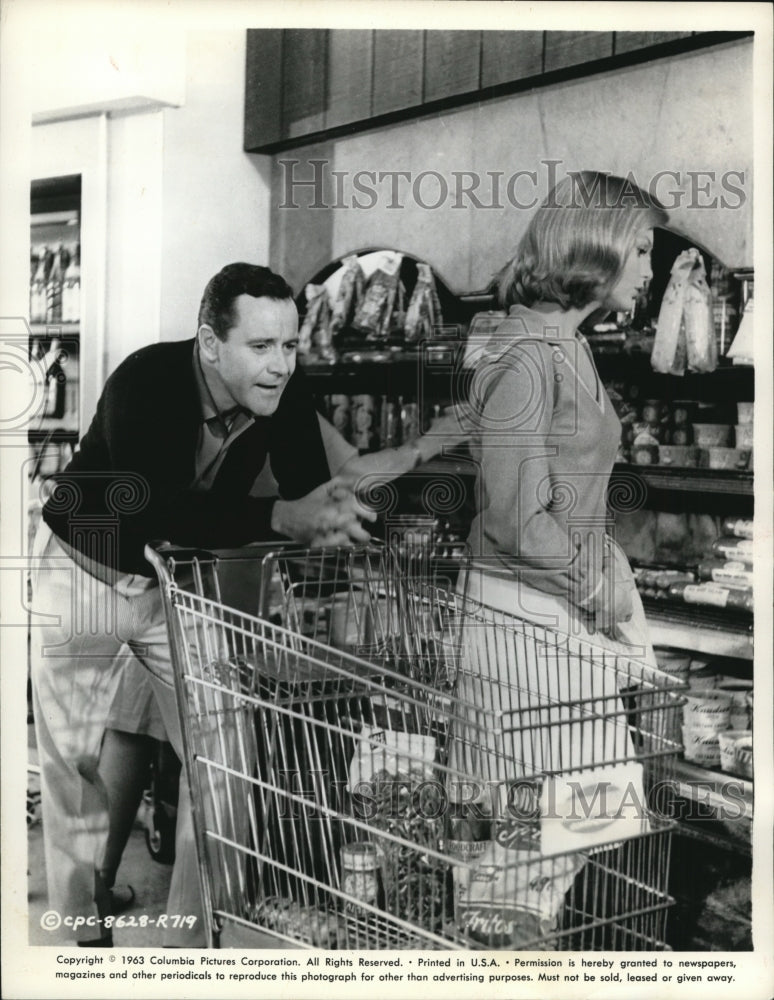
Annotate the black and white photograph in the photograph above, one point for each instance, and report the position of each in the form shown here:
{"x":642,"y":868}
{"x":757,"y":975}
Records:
{"x":386,"y":499}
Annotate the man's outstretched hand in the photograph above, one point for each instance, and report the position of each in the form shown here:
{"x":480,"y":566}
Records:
{"x":329,"y":515}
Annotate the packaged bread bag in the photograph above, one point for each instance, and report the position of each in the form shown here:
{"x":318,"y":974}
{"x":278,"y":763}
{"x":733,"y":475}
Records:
{"x":314,"y":334}
{"x":424,"y":310}
{"x":670,"y":317}
{"x":685,"y":332}
{"x":374,"y":313}
{"x":699,"y":321}
{"x":348,"y":296}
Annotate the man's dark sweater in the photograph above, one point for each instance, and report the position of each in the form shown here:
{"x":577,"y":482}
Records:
{"x":131,"y":478}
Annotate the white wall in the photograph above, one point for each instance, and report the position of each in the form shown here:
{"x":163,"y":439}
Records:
{"x":180,"y":200}
{"x":104,"y":56}
{"x":215,"y":196}
{"x":134,"y":222}
{"x":81,"y":147}
{"x":119,"y":160}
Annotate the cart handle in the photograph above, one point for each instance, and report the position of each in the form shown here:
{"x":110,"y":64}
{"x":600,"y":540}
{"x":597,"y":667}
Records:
{"x":159,"y":554}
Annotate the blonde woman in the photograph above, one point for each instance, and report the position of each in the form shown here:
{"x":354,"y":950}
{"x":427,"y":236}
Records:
{"x":546,"y":444}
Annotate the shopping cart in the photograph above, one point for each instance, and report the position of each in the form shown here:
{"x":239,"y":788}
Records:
{"x":371,"y":757}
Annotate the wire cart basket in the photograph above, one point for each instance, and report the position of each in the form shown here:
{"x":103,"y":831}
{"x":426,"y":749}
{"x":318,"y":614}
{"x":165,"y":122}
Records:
{"x":376,"y":762}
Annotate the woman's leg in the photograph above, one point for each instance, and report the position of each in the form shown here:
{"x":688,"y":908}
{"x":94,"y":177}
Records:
{"x":185,"y":897}
{"x":123,"y":767}
{"x":133,"y":725}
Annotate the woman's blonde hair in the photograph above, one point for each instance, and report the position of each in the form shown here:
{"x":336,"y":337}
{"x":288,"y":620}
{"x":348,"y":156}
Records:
{"x":577,"y":242}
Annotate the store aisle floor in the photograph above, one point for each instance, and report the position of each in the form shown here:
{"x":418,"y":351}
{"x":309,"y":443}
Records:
{"x":149,"y":879}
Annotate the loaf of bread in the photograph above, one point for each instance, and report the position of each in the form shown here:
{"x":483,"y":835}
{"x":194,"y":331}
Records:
{"x":703,"y":529}
{"x":423,"y":315}
{"x":374,"y":313}
{"x":730,"y":573}
{"x":734,"y":549}
{"x":670,"y":317}
{"x":671,"y":538}
{"x":739,"y":527}
{"x":713,"y":594}
{"x":635,"y":532}
{"x":348,"y":296}
{"x":314,"y":335}
{"x":698,"y":320}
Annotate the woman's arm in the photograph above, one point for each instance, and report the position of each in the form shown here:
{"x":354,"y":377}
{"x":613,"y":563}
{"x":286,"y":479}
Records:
{"x":450,"y":429}
{"x":338,"y":450}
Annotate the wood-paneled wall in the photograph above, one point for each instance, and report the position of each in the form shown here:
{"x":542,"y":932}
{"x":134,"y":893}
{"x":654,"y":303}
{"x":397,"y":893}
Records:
{"x":307,"y":85}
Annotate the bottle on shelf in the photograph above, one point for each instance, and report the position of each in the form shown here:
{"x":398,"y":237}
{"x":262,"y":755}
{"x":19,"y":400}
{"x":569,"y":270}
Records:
{"x":34,"y":261}
{"x":38,"y":287}
{"x":724,"y":311}
{"x":56,"y":380}
{"x":72,"y":376}
{"x":389,"y":427}
{"x":364,"y":430}
{"x":54,"y":288}
{"x":37,"y":374}
{"x":409,"y":420}
{"x":71,"y":288}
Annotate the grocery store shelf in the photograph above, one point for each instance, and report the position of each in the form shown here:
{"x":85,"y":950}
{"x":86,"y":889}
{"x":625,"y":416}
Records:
{"x":353,"y":369}
{"x":412,"y":375}
{"x":54,"y":430}
{"x":687,"y":480}
{"x":705,"y":630}
{"x":711,"y":788}
{"x":460,"y":464}
{"x":707,"y":481}
{"x":727,"y":383}
{"x":55,"y":329}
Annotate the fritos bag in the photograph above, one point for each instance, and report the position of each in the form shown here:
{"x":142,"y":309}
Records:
{"x":512,"y":895}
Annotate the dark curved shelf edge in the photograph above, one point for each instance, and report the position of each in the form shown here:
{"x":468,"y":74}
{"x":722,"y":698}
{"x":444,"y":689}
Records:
{"x":717,"y":481}
{"x":56,"y":435}
{"x":689,"y":480}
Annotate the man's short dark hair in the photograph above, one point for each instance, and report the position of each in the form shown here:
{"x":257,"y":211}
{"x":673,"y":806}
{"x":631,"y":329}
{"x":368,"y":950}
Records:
{"x":217,"y":305}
